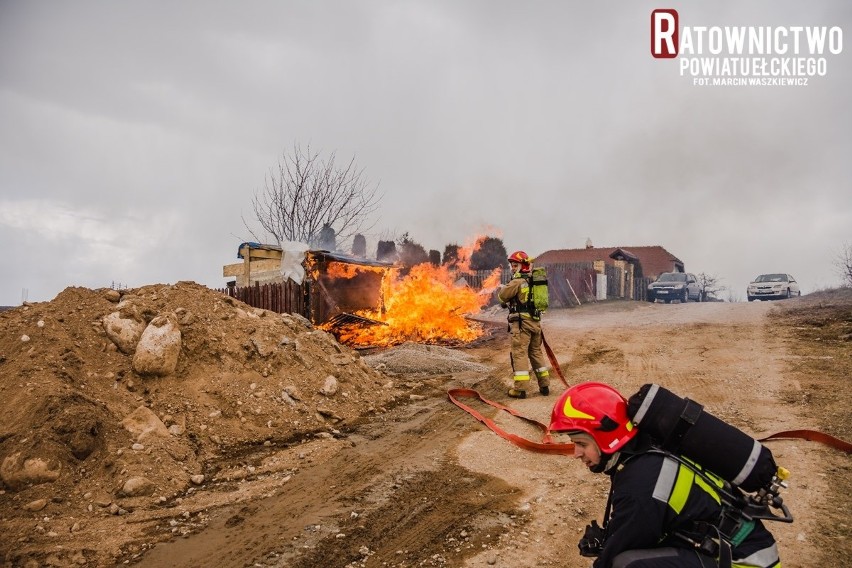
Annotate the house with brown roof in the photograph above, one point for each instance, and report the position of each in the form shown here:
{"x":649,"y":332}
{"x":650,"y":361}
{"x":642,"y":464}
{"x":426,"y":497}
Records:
{"x":625,"y":264}
{"x":647,"y":261}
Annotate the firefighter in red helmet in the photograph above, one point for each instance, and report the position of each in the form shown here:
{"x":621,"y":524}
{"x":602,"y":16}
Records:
{"x":663,"y":511}
{"x":525,"y":327}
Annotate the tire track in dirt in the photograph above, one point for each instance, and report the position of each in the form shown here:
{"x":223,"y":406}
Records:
{"x":392,"y":493}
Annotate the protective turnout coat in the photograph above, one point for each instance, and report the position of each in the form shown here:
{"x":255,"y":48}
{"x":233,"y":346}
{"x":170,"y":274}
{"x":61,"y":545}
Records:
{"x":515,"y":294}
{"x":654,"y":496}
{"x":527,"y":336}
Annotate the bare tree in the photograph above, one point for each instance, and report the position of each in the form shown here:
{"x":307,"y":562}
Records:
{"x":307,"y":193}
{"x":710,"y":286}
{"x":843,"y":264}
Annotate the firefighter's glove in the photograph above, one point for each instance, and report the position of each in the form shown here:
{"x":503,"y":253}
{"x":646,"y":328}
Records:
{"x":504,"y":305}
{"x":592,"y":542}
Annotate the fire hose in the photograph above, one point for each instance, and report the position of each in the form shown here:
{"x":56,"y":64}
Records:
{"x":547,"y":445}
{"x":552,"y":358}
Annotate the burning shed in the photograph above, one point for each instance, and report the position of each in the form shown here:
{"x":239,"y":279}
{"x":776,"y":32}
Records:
{"x":339,"y":285}
{"x":319,"y":284}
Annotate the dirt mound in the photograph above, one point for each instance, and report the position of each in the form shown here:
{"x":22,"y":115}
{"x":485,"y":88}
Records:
{"x":83,"y":435}
{"x":417,"y":359}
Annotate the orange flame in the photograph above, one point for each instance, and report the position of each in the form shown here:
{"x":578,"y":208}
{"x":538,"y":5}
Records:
{"x":465,"y":252}
{"x":429,"y":305}
{"x":341,"y":270}
{"x":426,"y":306}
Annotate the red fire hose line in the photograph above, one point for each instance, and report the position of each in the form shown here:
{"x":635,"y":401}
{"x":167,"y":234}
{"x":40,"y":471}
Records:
{"x":548,"y":446}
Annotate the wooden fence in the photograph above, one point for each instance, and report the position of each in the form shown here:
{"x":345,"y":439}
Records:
{"x":640,"y":288}
{"x":280,"y":297}
{"x":477,"y":277}
{"x":571,"y":284}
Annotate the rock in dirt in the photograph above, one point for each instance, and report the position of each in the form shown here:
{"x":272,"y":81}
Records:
{"x":36,"y":505}
{"x":142,"y":423}
{"x":124,"y":332}
{"x":158,"y":348}
{"x":17,"y":471}
{"x":330,"y":386}
{"x":137,"y":486}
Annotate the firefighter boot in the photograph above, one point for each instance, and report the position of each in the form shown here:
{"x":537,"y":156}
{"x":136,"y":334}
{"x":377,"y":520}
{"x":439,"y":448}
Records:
{"x":518,"y":389}
{"x":542,"y":375}
{"x":517,"y":393}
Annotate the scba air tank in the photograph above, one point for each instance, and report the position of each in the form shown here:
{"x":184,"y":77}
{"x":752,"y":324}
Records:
{"x":681,"y":426}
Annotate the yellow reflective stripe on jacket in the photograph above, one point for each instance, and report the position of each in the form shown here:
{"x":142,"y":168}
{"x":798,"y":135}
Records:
{"x":682,"y":488}
{"x":699,"y":481}
{"x":524,"y":292}
{"x":676,"y":481}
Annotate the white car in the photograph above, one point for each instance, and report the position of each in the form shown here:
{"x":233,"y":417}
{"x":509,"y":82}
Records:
{"x":773,"y":287}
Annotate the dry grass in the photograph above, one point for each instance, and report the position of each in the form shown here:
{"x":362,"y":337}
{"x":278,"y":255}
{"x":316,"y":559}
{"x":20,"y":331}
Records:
{"x":820,"y":332}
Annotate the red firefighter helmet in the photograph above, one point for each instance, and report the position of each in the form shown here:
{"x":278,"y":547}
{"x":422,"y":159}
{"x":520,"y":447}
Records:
{"x":596,"y":409}
{"x":521,"y":258}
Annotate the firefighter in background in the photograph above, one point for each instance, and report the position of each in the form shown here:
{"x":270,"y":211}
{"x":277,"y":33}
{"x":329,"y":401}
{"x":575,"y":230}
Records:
{"x":660,"y":513}
{"x":525,"y":327}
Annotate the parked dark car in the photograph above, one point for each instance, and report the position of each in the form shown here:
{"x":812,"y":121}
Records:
{"x":669,"y":286}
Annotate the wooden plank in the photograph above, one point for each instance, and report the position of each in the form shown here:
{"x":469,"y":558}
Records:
{"x":558,"y":288}
{"x":232,"y":269}
{"x":260,"y":253}
{"x":265,"y":265}
{"x":572,"y":291}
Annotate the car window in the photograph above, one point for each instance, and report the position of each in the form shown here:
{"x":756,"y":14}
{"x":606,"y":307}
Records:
{"x":671,"y":277}
{"x":771,"y":278}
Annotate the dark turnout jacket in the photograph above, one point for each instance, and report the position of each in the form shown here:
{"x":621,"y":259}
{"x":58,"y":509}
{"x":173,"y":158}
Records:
{"x":654,"y":496}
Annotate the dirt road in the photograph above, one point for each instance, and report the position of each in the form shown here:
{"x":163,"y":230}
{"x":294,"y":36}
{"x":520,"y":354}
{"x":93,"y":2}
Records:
{"x":426,"y":485}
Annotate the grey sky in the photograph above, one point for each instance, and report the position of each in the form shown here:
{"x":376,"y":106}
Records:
{"x":134,"y":134}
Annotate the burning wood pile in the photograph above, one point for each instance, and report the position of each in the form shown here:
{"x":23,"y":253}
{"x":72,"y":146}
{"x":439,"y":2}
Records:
{"x":372,"y":304}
